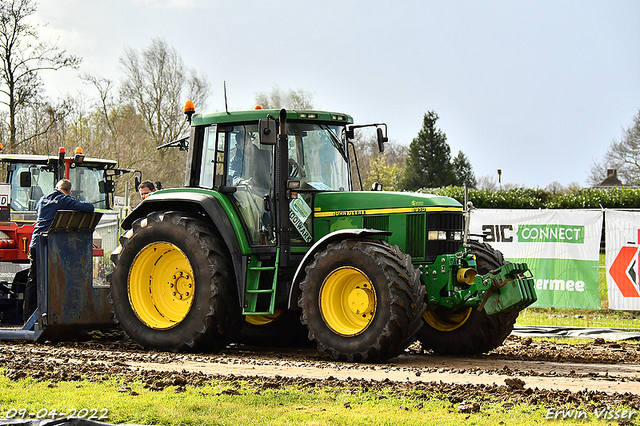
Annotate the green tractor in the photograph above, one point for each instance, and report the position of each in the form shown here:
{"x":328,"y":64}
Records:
{"x":269,"y":234}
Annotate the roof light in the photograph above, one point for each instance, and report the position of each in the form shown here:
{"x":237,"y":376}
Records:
{"x":189,"y":109}
{"x":79,"y":156}
{"x":258,"y":107}
{"x":61,"y":150}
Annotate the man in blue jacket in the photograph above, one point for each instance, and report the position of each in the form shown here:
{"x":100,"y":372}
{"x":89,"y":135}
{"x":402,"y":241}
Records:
{"x":46,"y":208}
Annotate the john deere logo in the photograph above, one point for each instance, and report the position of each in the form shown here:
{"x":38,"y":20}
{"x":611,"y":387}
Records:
{"x":550,"y":234}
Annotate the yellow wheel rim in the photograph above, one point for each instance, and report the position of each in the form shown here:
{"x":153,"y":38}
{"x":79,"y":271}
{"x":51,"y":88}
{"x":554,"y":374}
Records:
{"x":347,"y":301}
{"x":161,"y":285}
{"x":446,"y":321}
{"x":260,"y":320}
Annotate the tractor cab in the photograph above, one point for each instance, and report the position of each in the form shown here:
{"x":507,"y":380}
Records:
{"x":236,"y":160}
{"x":32,"y":176}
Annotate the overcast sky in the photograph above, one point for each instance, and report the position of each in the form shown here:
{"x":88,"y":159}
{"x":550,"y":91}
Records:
{"x":538,"y":88}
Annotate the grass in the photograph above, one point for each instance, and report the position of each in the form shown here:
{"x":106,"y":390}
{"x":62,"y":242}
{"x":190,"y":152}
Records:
{"x":622,"y":320}
{"x":241,"y":403}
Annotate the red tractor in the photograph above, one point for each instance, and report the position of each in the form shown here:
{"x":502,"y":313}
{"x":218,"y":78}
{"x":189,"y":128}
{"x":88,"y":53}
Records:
{"x":29,"y":177}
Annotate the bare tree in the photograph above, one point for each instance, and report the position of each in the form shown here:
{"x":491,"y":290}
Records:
{"x":41,"y":125}
{"x":291,"y":99}
{"x":157,"y":84}
{"x":487,"y":182}
{"x":623,"y":155}
{"x":104,"y":113}
{"x":23,"y":56}
{"x":386,"y":168}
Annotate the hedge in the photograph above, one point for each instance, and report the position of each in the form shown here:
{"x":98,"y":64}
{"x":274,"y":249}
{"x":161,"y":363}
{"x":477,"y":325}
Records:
{"x":529,"y":198}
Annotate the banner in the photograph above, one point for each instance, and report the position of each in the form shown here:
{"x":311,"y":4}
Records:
{"x":622,"y":235}
{"x":561,"y":248}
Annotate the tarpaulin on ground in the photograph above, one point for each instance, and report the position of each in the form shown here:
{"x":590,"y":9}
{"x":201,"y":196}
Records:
{"x":561,"y":248}
{"x":622,"y":235}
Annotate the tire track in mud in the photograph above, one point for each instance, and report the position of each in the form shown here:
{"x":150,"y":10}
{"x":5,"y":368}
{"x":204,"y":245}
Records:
{"x":521,"y":370}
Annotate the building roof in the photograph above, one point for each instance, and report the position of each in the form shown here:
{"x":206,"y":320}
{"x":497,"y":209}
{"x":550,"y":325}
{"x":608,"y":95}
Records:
{"x":612,"y":179}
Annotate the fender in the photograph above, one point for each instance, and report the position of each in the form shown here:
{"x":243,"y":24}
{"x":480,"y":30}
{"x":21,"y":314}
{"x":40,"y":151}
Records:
{"x":199,"y":205}
{"x":321,"y":244}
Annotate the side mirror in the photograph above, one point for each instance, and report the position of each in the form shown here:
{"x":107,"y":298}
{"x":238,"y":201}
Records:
{"x":381,"y":139}
{"x":268,"y":131}
{"x":108,"y":187}
{"x":137,"y":179}
{"x":350,"y":133}
{"x":25,"y":179}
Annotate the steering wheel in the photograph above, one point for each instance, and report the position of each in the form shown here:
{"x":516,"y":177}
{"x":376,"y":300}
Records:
{"x":294,"y":168}
{"x":20,"y":206}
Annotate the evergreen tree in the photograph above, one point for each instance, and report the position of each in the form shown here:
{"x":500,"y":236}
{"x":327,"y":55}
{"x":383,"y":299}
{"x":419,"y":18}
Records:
{"x":463,"y":171}
{"x":429,"y":163}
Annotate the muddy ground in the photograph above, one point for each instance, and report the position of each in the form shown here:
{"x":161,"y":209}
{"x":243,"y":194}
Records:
{"x":597,"y":374}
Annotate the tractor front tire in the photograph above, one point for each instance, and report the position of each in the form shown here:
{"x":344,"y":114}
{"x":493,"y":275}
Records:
{"x":172,"y":286}
{"x":362,"y":300}
{"x":468,"y":331}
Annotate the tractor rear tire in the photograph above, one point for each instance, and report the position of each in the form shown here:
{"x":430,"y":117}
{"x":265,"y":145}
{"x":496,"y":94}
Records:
{"x":172,"y":285}
{"x":468,"y":331}
{"x":362,"y":300}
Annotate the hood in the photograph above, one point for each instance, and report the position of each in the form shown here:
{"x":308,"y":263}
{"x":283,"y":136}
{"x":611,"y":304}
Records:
{"x":372,"y":202}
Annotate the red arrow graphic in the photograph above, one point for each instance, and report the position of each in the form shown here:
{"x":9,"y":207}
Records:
{"x":619,"y":268}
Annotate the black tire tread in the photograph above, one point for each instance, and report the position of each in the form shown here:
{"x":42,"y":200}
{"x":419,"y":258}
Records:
{"x":406,"y":298}
{"x":222,"y":318}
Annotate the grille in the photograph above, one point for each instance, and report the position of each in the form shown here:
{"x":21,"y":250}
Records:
{"x":446,"y":221}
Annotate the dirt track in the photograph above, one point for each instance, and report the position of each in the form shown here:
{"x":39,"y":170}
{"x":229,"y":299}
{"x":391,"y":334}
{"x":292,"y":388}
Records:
{"x":607,"y":373}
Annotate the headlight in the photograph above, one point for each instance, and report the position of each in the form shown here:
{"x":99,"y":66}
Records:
{"x":438,"y":235}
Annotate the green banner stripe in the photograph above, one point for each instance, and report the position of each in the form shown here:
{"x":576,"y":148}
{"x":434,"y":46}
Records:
{"x":564,"y":283}
{"x":571,"y":234}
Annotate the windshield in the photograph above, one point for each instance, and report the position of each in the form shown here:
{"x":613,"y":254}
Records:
{"x":85,"y":186}
{"x":317,"y":156}
{"x":25,"y":198}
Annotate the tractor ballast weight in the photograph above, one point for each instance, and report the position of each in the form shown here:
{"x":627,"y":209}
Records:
{"x":268,"y":226}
